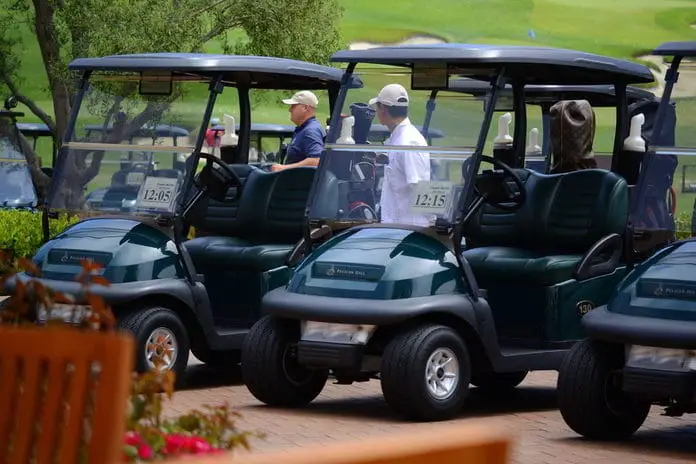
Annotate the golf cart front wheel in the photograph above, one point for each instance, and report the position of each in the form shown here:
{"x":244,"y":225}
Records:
{"x":160,"y":338}
{"x":426,"y":372}
{"x":590,"y":397}
{"x":270,"y":370}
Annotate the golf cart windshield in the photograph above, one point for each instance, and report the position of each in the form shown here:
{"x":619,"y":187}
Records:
{"x":129,"y":145}
{"x":666,"y":201}
{"x":411,"y":177}
{"x":16,"y":185}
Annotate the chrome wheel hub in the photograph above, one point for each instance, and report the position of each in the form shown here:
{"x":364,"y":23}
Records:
{"x":442,"y":373}
{"x":162,"y":349}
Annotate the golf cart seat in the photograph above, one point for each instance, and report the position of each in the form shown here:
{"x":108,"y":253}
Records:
{"x":268,"y":223}
{"x":169,"y":173}
{"x":567,"y":219}
{"x":130,"y":176}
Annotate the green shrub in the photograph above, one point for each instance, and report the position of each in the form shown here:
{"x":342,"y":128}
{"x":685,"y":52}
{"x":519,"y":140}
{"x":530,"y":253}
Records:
{"x":683,"y":225}
{"x":21,"y":233}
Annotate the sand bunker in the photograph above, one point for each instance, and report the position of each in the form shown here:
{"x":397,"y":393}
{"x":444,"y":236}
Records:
{"x":413,"y":40}
{"x":686,"y":87}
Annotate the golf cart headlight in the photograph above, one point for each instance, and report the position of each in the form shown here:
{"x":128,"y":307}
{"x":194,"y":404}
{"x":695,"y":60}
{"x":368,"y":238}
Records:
{"x":355,"y":334}
{"x":691,"y":364}
{"x":71,"y":314}
{"x":661,"y":358}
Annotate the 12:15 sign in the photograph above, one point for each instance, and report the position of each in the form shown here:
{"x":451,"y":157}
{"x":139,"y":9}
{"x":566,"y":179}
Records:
{"x":431,"y":197}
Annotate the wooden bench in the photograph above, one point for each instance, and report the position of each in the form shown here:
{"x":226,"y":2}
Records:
{"x":447,"y":443}
{"x":63,"y":395}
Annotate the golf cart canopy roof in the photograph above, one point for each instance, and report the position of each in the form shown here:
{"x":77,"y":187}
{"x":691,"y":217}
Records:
{"x":596,"y":95}
{"x":11,"y":114}
{"x":32,"y":129}
{"x":676,"y":49}
{"x":551,"y":65}
{"x":253,"y":71}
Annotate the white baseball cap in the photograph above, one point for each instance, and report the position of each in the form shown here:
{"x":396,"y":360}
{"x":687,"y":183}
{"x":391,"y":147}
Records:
{"x":391,"y":95}
{"x":303,"y":97}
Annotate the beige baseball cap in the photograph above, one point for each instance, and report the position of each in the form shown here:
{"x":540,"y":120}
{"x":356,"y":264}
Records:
{"x":391,"y":95}
{"x":303,"y":97}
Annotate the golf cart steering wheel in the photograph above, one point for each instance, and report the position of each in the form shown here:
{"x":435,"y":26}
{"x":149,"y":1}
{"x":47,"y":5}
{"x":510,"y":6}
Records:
{"x":495,"y":189}
{"x":216,"y":182}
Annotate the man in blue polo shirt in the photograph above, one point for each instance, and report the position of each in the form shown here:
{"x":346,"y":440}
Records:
{"x":308,"y":140}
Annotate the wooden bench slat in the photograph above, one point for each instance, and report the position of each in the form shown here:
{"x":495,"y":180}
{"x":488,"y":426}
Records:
{"x":62,"y":359}
{"x":449,"y":443}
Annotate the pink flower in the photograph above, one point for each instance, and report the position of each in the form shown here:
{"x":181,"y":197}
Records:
{"x":174,"y":443}
{"x":145,"y":452}
{"x":200,"y":446}
{"x":132,"y":438}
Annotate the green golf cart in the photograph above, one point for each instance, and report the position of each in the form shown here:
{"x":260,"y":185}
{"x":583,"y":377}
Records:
{"x":640,"y":348}
{"x":174,"y":295}
{"x":476,"y":281}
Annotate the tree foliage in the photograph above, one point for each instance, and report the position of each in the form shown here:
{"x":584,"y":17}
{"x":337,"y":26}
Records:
{"x":68,"y":29}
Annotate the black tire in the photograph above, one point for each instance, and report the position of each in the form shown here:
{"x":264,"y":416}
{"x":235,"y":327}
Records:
{"x":493,"y":383}
{"x":403,"y":373}
{"x":142,"y":322}
{"x":269,"y":370}
{"x":590,"y":397}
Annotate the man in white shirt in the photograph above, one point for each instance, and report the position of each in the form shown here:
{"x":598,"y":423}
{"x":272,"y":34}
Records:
{"x":405,"y":168}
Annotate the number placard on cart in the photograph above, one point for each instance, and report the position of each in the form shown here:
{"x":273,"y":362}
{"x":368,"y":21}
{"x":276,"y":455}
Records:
{"x":432,"y":197}
{"x":157,"y":193}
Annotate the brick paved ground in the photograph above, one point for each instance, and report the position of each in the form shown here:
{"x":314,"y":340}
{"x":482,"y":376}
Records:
{"x":347,"y":412}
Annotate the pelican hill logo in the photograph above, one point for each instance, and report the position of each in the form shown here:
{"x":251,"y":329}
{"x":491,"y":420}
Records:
{"x":75,"y":257}
{"x":665,"y":289}
{"x":348,"y":271}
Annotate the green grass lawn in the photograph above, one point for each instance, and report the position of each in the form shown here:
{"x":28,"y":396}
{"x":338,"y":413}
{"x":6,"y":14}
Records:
{"x":621,"y":28}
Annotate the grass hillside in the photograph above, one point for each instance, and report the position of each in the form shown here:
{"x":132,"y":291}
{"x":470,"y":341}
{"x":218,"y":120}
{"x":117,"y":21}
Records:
{"x":620,"y":28}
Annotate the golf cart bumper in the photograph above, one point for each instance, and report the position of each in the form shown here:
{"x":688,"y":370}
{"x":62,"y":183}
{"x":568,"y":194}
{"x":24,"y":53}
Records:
{"x":113,"y":294}
{"x":660,"y":384}
{"x":651,"y":377}
{"x":636,"y":330}
{"x":281,"y":303}
{"x":330,"y":355}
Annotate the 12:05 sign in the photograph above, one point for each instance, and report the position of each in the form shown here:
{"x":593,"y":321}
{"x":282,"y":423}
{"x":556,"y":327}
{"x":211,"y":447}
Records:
{"x":157,"y":193}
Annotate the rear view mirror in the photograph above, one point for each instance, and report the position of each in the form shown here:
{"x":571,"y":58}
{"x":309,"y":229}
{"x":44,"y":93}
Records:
{"x":429,"y":76}
{"x":156,"y":83}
